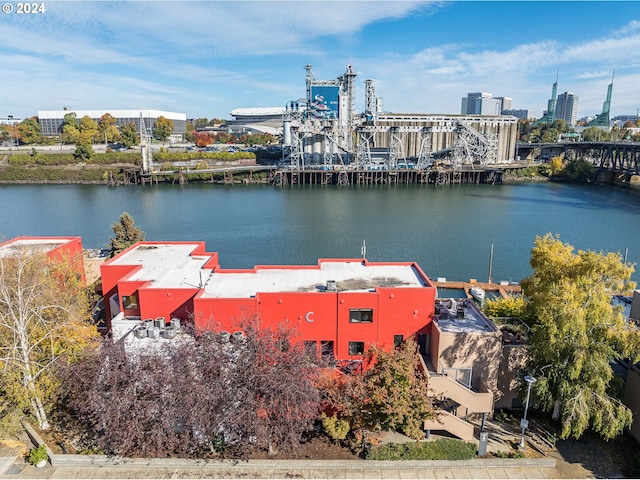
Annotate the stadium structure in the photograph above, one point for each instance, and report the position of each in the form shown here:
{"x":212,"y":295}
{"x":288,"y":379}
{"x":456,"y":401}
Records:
{"x":323,"y":131}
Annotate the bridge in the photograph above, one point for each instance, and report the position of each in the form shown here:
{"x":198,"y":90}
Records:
{"x":620,"y":157}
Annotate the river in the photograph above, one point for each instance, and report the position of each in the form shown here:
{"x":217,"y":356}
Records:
{"x":447,"y":230}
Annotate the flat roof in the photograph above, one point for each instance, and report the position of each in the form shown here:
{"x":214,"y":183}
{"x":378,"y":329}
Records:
{"x":130,"y":113}
{"x":42,"y":244}
{"x":165,"y":265}
{"x":472,"y":321}
{"x":172,"y":265}
{"x":349,"y":275}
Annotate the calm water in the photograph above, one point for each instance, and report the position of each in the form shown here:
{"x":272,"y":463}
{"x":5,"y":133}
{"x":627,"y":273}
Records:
{"x":447,"y":230}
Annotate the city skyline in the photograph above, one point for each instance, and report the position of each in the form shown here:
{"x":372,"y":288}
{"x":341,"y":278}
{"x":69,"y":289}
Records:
{"x":205,"y":58}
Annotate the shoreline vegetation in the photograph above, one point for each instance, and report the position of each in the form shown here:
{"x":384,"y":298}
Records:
{"x":111,"y":169}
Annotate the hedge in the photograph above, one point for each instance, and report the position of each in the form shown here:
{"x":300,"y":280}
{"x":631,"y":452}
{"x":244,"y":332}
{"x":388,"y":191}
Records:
{"x":441,"y":449}
{"x":57,"y":159}
{"x":53,"y":175}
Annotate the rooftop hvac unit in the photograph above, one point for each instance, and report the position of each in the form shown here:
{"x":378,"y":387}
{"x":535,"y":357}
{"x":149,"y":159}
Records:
{"x":237,"y":336}
{"x":225,"y":337}
{"x":175,"y":323}
{"x":141,"y":332}
{"x":148,"y":323}
{"x":153,"y":332}
{"x":168,"y":332}
{"x":160,"y":322}
{"x":332,"y":286}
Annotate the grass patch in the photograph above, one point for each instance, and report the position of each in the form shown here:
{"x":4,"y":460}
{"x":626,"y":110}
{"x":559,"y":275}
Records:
{"x":442,"y":449}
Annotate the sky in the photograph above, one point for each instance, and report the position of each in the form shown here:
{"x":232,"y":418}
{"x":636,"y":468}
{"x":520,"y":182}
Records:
{"x":205,"y":58}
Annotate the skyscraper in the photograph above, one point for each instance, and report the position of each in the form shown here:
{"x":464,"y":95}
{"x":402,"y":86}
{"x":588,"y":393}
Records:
{"x":482,"y":103}
{"x":567,"y":108}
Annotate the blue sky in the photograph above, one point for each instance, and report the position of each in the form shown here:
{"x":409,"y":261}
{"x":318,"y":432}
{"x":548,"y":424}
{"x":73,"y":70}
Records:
{"x":205,"y":58}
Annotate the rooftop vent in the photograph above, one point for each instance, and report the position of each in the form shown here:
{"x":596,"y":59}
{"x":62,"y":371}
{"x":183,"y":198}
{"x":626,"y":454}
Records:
{"x":141,"y":332}
{"x":332,"y":286}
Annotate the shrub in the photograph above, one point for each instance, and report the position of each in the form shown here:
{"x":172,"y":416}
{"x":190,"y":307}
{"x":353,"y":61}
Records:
{"x":442,"y":449}
{"x":335,"y":427}
{"x":38,"y":454}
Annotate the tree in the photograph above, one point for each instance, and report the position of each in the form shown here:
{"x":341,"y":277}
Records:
{"x":576,"y":333}
{"x":203,"y":139}
{"x":84,"y":149}
{"x":556,"y":166}
{"x":126,"y":234}
{"x":43,"y":321}
{"x":70,"y":128}
{"x":107,"y":128}
{"x":201,"y":394}
{"x":580,"y":170}
{"x":391,"y":394}
{"x":163,"y":128}
{"x":129,"y":135}
{"x":88,"y":127}
{"x":190,"y":132}
{"x":398,"y":391}
{"x":29,"y":131}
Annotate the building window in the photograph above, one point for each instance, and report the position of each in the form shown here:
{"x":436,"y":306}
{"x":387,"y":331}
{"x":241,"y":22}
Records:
{"x":356,"y":348}
{"x":310,"y":348}
{"x":326,"y":349}
{"x":361,"y":315}
{"x":130,"y":302}
{"x":397,"y":340}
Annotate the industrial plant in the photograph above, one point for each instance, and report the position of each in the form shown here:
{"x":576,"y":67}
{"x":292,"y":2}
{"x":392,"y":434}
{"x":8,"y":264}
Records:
{"x":323,"y":132}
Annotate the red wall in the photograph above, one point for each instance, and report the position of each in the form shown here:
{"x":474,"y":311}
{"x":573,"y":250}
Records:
{"x":315,"y":316}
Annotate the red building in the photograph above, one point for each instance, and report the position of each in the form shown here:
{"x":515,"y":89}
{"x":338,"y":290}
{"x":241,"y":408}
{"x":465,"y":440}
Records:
{"x":341,"y":305}
{"x":56,"y":248}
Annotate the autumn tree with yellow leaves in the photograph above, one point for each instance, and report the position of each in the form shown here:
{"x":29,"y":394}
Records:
{"x":44,"y":320}
{"x":575,"y":333}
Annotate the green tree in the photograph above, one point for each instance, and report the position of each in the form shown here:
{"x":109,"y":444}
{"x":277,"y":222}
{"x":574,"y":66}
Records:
{"x":29,"y":131}
{"x":163,"y":128}
{"x":44,"y":319}
{"x":84,"y":150}
{"x":190,"y":132}
{"x":392,"y":393}
{"x":398,"y":393}
{"x":201,"y":122}
{"x":576,"y":333}
{"x":88,"y":127}
{"x":126,"y":234}
{"x":107,"y":129}
{"x":70,"y":128}
{"x":129,"y":135}
{"x":580,"y":170}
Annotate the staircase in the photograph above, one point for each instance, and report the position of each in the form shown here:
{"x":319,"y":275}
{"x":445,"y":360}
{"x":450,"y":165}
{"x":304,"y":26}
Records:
{"x":449,"y":391}
{"x":452,"y":424}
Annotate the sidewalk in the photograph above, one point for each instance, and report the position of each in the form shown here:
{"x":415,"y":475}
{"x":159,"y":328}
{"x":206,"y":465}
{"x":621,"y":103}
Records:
{"x":267,"y":469}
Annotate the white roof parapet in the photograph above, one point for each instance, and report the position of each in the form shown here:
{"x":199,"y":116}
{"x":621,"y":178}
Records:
{"x":257,"y":111}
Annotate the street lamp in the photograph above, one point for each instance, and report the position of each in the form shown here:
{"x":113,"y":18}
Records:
{"x":524,"y":423}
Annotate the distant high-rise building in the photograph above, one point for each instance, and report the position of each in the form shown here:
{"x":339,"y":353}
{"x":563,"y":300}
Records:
{"x":518,"y":113}
{"x":506,"y":103}
{"x":482,"y":103}
{"x":567,"y":108}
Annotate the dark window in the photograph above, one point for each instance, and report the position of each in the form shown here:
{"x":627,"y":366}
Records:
{"x":356,"y":348}
{"x":326,"y":349}
{"x":397,"y":340}
{"x":310,"y":347}
{"x":130,"y":302}
{"x":361,"y":315}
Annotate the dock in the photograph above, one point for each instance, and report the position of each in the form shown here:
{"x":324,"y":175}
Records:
{"x":504,"y":289}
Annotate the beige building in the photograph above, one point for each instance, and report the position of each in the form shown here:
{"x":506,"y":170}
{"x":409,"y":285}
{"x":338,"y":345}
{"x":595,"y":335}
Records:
{"x":471,"y":366}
